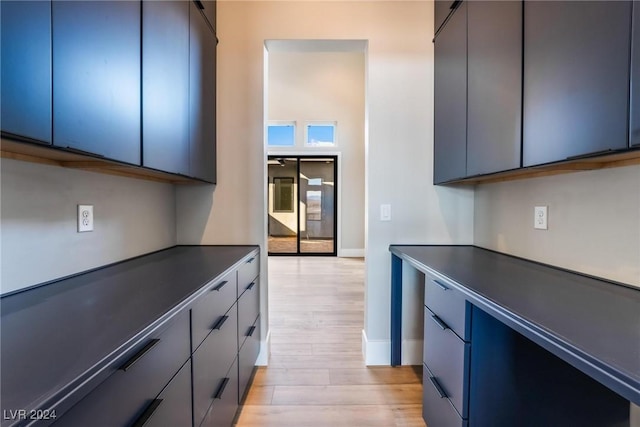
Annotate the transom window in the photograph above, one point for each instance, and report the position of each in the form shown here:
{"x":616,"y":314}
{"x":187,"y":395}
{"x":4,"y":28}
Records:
{"x":281,"y":134}
{"x":320,"y":134}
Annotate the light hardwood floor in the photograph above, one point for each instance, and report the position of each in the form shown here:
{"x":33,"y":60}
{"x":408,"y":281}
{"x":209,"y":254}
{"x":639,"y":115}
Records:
{"x":316,"y":374}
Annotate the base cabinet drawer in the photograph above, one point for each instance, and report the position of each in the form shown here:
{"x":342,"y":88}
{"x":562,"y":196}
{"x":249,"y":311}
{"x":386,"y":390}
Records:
{"x":210,"y":307}
{"x":173,"y":406}
{"x":449,"y":304}
{"x":225,"y":403}
{"x":248,"y":309}
{"x":211,"y":362}
{"x":247,"y":273}
{"x":447,"y":356}
{"x":247,"y":358}
{"x":437,"y":410}
{"x":124,"y":396}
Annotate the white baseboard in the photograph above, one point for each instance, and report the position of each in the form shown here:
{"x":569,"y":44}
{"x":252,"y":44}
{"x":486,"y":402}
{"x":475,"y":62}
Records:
{"x":265,"y":350}
{"x":351,"y":253}
{"x":378,"y":352}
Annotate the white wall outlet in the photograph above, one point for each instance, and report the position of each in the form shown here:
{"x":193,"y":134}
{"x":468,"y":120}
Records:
{"x":85,"y":218}
{"x":385,"y":212}
{"x":540,"y":217}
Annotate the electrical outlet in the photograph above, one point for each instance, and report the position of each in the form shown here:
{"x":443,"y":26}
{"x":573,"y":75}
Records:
{"x":85,"y":218}
{"x":540,"y":217}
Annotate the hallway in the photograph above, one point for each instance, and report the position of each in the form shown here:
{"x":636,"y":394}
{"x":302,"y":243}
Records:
{"x":316,"y":374}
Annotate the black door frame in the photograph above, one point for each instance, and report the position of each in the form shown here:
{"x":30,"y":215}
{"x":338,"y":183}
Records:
{"x":299,"y":157}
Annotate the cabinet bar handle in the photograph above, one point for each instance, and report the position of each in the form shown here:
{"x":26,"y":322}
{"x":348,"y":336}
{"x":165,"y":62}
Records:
{"x":142,"y":420}
{"x":219,"y":286}
{"x":439,"y":322}
{"x":440,"y":285}
{"x":438,"y":387}
{"x":223,"y":385}
{"x":251,"y":331}
{"x":251,"y":285}
{"x":199,"y":4}
{"x":220,"y":322}
{"x":250,"y":260}
{"x":144,"y":350}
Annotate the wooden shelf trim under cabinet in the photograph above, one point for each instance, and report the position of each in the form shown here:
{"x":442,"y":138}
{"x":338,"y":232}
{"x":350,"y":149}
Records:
{"x":47,"y":155}
{"x":626,"y":158}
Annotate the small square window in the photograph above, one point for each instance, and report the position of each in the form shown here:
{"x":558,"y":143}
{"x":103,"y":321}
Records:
{"x":281,"y":135}
{"x":321,"y":135}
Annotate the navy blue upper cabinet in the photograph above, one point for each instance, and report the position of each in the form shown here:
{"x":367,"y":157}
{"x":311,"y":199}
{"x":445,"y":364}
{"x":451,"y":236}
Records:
{"x":26,"y":69}
{"x":165,"y":85}
{"x":450,"y":98}
{"x":494,"y":103}
{"x":96,"y":78}
{"x":634,"y":131}
{"x":202,"y":98}
{"x":576,"y":78}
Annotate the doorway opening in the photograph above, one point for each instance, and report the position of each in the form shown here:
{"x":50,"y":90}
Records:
{"x":302,"y":205}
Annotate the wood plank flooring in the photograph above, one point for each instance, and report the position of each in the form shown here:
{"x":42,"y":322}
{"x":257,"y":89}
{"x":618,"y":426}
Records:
{"x":316,"y":375}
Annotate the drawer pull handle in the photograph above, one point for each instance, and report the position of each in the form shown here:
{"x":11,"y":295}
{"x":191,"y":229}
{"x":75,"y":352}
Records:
{"x":220,"y":322}
{"x":250,"y":286}
{"x":142,"y":420}
{"x":219,"y":286}
{"x":251,"y":331}
{"x":223,"y":385}
{"x":438,"y":387}
{"x":440,"y":285}
{"x":439,"y":322}
{"x":251,"y":260}
{"x":144,"y":350}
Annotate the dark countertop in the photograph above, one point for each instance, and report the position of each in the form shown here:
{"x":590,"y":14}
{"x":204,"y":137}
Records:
{"x":591,"y":323}
{"x":58,"y":336}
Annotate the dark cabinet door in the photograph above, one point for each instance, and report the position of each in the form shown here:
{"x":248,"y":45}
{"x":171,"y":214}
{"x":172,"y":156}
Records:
{"x":634,"y":131}
{"x":209,"y":9}
{"x":26,"y":69}
{"x":96,"y":78}
{"x":494,"y":103}
{"x":173,"y":405}
{"x":442,"y":10}
{"x":576,"y":78}
{"x":202,"y":99}
{"x":450,"y":98}
{"x":165,"y":85}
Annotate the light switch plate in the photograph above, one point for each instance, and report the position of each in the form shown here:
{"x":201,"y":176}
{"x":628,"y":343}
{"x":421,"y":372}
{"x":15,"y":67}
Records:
{"x":540,"y":218}
{"x":385,"y":212}
{"x":85,"y":218}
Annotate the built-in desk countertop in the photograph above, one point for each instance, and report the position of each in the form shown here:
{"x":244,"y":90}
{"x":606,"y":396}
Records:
{"x":590,"y":323}
{"x":59,"y":337}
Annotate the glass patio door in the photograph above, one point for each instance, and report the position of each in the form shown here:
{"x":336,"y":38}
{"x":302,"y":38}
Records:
{"x":302,"y":205}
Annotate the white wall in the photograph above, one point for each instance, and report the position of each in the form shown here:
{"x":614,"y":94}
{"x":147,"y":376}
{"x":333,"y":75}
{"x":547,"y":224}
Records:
{"x":38,"y":211}
{"x":594,"y":221}
{"x":399,"y":138}
{"x":327,"y":86}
